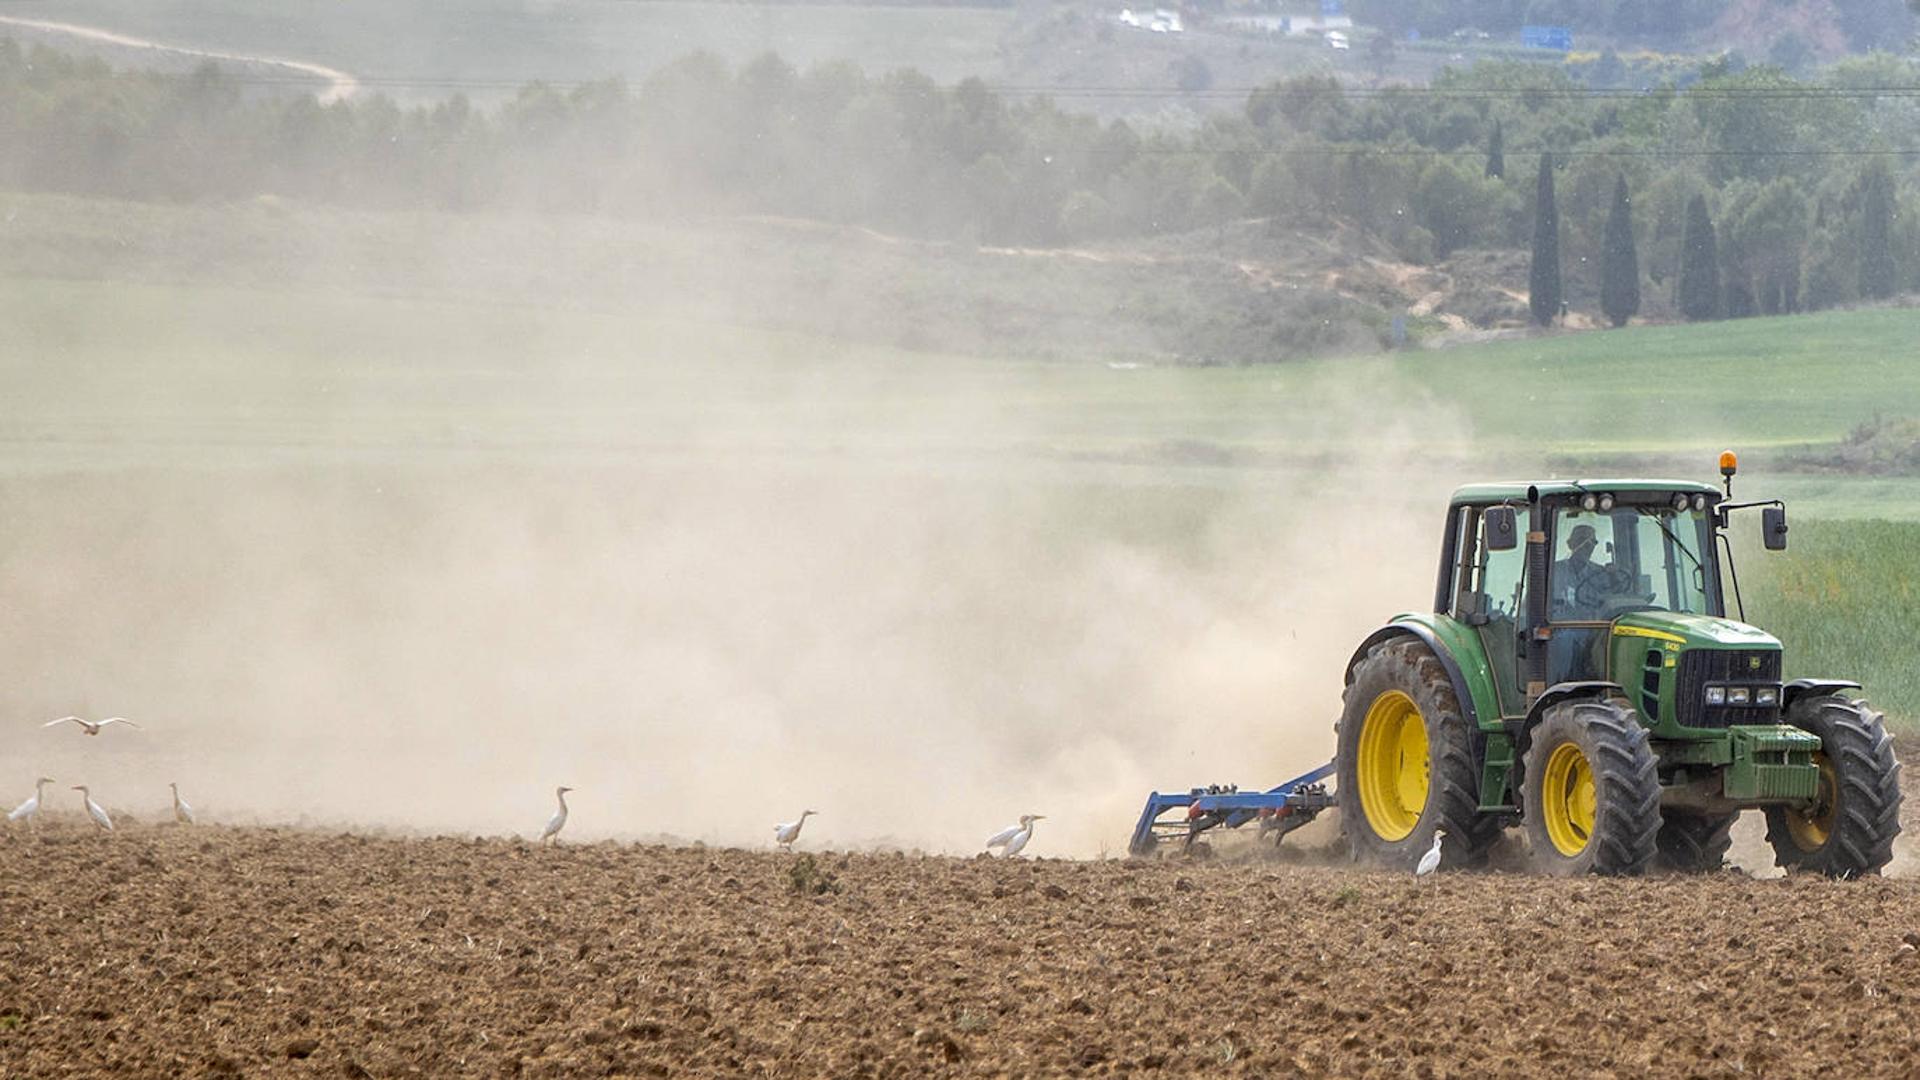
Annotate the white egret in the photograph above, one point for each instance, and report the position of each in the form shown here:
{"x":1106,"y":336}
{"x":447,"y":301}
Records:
{"x":94,"y":810}
{"x":28,"y":810}
{"x":1014,"y":837}
{"x":786,"y":833}
{"x":559,"y":819}
{"x":1431,"y":860}
{"x":92,"y":726}
{"x":182,"y":812}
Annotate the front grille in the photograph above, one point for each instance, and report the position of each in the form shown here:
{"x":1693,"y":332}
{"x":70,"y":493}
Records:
{"x":1699,"y":667}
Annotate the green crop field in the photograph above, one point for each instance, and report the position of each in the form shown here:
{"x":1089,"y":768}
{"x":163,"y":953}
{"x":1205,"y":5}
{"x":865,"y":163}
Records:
{"x":1568,"y":403}
{"x":1844,"y":599}
{"x":116,"y":375}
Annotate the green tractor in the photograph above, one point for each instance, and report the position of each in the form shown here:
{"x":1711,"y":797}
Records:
{"x":1579,"y":677}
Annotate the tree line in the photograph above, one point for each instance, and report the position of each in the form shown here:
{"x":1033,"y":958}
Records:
{"x":1804,"y":181}
{"x":1758,"y":268}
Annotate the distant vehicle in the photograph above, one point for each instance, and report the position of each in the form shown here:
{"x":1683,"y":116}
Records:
{"x":1128,"y":18}
{"x":1557,"y":38}
{"x":1338,"y":40}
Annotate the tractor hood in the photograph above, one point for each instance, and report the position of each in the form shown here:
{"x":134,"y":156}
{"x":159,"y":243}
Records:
{"x":1688,"y":631}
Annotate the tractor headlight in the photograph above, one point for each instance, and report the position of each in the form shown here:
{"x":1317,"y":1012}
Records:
{"x":1606,"y":502}
{"x":1700,"y":501}
{"x":1716,"y":695}
{"x":1680,"y":501}
{"x":1588,"y":502}
{"x":1766,"y":695}
{"x":1737,"y":695}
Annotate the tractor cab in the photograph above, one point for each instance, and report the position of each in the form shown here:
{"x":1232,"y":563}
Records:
{"x":1583,"y":583}
{"x":1595,"y":555}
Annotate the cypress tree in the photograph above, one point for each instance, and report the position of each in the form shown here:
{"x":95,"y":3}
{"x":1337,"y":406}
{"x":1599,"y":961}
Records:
{"x":1619,"y":264}
{"x":1543,"y":278}
{"x":1878,"y":279}
{"x":1496,"y":154}
{"x":1699,"y":264}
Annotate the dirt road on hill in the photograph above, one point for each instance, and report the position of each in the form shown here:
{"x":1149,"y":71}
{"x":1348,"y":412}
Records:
{"x":340,"y":85}
{"x":260,"y":952}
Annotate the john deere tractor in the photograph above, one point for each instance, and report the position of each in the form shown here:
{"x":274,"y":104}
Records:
{"x":1579,"y":677}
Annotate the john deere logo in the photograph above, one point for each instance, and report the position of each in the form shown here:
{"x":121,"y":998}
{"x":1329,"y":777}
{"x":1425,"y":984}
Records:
{"x":1753,"y":663}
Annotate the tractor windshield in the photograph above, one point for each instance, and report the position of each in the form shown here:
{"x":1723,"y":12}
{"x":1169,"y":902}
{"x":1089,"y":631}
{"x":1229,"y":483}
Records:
{"x":1630,"y":558}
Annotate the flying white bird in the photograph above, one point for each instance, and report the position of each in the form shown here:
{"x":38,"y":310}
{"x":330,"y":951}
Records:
{"x":559,"y":819}
{"x":94,"y":810}
{"x":785,"y":834}
{"x":26,"y":811}
{"x":92,"y":727}
{"x":1014,"y":837}
{"x":1431,"y":860}
{"x":182,"y":812}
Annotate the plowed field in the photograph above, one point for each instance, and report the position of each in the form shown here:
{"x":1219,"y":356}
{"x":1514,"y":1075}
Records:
{"x":217,"y":951}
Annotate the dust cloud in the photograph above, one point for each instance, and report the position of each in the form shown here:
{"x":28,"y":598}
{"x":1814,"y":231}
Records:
{"x":534,"y":525}
{"x":920,"y":645}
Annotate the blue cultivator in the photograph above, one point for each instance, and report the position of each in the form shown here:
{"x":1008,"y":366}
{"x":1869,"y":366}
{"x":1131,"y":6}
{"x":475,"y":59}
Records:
{"x":1278,"y":811}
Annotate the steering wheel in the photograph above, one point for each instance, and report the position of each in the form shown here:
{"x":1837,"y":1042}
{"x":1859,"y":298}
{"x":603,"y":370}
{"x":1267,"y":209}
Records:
{"x":1595,"y":588}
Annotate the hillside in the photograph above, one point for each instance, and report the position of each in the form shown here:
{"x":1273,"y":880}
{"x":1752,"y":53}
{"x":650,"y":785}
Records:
{"x":1790,"y":30}
{"x":1269,"y":293}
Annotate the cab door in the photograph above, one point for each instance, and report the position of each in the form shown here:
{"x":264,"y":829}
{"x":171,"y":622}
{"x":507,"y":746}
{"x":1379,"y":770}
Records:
{"x":1491,"y":597}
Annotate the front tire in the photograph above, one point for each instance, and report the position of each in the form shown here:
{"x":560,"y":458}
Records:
{"x":1592,"y":792}
{"x":1407,"y":764}
{"x":1849,"y":828}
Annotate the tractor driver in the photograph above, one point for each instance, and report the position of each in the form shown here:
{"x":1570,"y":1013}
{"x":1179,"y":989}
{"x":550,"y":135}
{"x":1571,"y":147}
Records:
{"x":1574,"y":571}
{"x":1578,"y":585}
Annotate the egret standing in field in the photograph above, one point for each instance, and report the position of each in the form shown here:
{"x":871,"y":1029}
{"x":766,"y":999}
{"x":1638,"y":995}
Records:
{"x":182,"y":813}
{"x":92,"y":727}
{"x":94,"y":810}
{"x":559,"y":820}
{"x":1014,"y":837}
{"x":786,"y":833}
{"x":30,"y":809}
{"x":1431,"y":860}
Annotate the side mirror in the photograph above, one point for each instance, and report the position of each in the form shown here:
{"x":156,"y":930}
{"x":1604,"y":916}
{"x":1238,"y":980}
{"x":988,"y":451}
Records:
{"x":1773,"y":528}
{"x":1502,"y":533}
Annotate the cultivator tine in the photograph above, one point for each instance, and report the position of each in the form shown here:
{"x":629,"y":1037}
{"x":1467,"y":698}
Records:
{"x":1279,"y":811}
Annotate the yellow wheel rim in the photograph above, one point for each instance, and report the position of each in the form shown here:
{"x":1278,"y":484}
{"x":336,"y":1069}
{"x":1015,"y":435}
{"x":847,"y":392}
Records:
{"x":1811,"y":828}
{"x":1391,"y":766}
{"x":1566,"y":799}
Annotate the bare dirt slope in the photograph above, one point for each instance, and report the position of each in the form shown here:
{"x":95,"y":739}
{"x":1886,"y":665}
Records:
{"x":214,"y":951}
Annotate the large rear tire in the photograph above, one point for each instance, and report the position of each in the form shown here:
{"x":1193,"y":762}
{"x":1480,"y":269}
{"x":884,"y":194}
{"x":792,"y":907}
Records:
{"x":1592,"y":791}
{"x":1407,"y":763}
{"x":1849,"y":828}
{"x":1692,"y":843}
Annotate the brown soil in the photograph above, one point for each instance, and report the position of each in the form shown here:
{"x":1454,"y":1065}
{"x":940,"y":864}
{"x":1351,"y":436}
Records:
{"x":170,"y":951}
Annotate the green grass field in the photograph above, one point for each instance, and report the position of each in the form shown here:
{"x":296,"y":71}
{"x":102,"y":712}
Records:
{"x":1570,"y":403}
{"x":118,"y":375}
{"x":1843,"y":600}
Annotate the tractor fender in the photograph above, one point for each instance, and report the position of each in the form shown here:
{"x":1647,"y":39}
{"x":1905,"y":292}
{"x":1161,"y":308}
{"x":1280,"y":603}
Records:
{"x":1800,"y":688}
{"x":1557,"y":693}
{"x":1461,"y":691}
